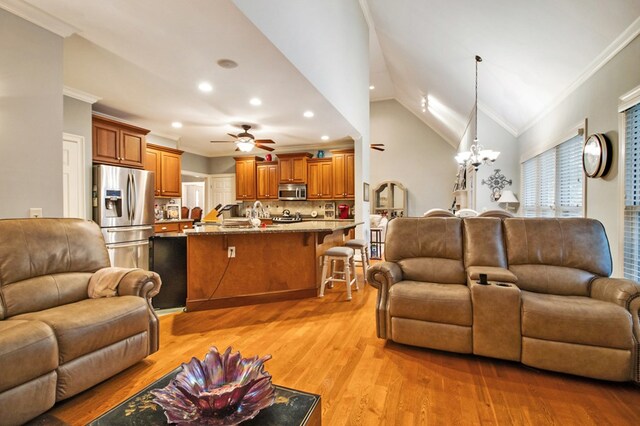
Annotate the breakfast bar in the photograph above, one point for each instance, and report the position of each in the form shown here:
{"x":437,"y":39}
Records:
{"x":231,"y":265}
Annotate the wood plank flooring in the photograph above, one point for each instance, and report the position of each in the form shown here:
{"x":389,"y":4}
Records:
{"x":328,"y":346}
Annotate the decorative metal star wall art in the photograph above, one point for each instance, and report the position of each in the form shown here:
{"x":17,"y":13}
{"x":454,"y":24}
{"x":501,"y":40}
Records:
{"x":496,"y":182}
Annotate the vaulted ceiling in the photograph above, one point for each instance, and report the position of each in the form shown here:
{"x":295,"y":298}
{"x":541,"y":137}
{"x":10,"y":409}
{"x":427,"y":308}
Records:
{"x":145,"y":59}
{"x":534,"y":53}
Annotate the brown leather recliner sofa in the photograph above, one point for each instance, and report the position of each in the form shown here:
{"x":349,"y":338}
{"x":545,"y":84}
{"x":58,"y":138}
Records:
{"x":55,"y":341}
{"x":550,"y":303}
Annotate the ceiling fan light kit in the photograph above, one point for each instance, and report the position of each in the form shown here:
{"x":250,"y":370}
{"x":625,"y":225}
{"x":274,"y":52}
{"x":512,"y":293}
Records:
{"x":477,"y":153}
{"x":245,"y":141}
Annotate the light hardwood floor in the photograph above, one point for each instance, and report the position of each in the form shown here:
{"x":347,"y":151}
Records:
{"x":328,"y":346}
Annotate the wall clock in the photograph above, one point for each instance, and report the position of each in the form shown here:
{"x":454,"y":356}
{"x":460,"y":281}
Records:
{"x":596,"y":156}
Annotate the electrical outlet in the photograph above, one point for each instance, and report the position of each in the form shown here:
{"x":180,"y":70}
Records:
{"x":231,"y":252}
{"x":35,"y":212}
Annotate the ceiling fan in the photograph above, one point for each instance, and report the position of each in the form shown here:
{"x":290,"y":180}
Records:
{"x":245,"y":141}
{"x":377,"y":146}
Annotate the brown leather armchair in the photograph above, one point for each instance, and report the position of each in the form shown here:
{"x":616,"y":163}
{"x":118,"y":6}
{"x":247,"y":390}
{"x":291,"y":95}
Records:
{"x":550,"y":302}
{"x":54,"y":340}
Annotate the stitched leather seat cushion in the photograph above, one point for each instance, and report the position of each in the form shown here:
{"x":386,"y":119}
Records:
{"x":91,"y":324}
{"x":442,"y":303}
{"x":339,"y":251}
{"x":576,"y":319}
{"x":28,"y":350}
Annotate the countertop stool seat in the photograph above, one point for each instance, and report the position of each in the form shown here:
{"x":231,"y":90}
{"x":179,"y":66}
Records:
{"x":345,"y":256}
{"x":360,"y":244}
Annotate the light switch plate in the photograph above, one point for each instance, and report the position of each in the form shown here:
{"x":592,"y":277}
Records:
{"x":35,"y":212}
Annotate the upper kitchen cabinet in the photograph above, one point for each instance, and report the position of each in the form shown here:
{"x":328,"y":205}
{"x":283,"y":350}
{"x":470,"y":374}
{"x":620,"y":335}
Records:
{"x":118,"y":143}
{"x":343,"y":174}
{"x":167,"y":165}
{"x":246,"y":177}
{"x":293,"y":167}
{"x":320,"y":179}
{"x":267,"y":182}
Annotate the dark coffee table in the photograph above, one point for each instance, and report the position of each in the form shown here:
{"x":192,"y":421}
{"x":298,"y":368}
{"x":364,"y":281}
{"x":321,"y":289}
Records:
{"x":292,"y":407}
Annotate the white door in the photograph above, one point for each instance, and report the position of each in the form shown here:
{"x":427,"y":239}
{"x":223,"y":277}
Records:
{"x":222,"y":190}
{"x":73,"y":176}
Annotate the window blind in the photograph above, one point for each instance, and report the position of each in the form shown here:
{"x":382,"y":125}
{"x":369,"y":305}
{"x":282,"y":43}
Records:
{"x":631,"y":262}
{"x":552,"y":181}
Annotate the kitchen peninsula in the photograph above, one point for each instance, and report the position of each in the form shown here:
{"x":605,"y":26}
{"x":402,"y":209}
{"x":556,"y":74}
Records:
{"x":232,"y":266}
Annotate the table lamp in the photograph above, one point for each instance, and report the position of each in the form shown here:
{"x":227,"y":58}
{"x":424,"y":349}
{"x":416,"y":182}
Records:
{"x":507,"y":197}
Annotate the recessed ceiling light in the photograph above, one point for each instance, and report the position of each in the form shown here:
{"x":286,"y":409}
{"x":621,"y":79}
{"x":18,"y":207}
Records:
{"x":176,"y":125}
{"x":205,"y":86}
{"x":325,"y":138}
{"x":372,"y":87}
{"x":308,"y":114}
{"x":227,"y":63}
{"x":255,"y":101}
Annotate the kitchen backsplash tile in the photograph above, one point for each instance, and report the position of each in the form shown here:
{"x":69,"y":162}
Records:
{"x":276,"y":207}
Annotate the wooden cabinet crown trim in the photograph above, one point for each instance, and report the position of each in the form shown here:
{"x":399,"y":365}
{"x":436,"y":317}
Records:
{"x":296,"y":155}
{"x":115,"y":122}
{"x":252,"y":158}
{"x":165,"y":149}
{"x":320,"y":160}
{"x":342,"y":151}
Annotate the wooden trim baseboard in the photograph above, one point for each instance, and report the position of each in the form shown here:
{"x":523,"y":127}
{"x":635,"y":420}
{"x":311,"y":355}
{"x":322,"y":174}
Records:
{"x":250,"y":299}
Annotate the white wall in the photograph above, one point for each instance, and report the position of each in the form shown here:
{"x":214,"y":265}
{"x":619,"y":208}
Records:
{"x":495,"y":137}
{"x":328,"y":41}
{"x":30,"y":118}
{"x":597,"y":100}
{"x":414,"y":155}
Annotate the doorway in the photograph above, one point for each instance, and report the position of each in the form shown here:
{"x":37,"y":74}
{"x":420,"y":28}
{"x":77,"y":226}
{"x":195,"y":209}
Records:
{"x":73,"y":177}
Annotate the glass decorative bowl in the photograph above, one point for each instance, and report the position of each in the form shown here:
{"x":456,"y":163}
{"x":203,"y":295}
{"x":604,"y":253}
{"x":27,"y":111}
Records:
{"x":220,"y":390}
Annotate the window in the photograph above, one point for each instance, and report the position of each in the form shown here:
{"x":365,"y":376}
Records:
{"x":631,"y":262}
{"x":552,"y":181}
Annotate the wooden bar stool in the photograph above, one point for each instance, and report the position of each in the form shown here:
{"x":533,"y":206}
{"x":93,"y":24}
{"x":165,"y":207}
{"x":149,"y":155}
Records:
{"x":345,"y":255}
{"x":359,"y":244}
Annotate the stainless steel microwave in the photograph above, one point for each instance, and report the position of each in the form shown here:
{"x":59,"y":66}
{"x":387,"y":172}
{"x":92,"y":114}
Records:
{"x":292,"y":191}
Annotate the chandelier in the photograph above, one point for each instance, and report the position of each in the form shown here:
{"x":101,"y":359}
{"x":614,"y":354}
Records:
{"x":477,"y":153}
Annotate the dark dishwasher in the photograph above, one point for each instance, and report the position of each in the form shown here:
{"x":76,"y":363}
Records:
{"x":168,"y":257}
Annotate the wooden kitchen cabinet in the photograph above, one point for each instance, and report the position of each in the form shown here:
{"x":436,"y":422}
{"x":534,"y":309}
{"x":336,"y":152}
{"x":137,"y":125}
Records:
{"x":320,"y":179}
{"x":293,"y":167}
{"x":167,"y":165}
{"x":343,"y":174}
{"x":118,"y":143}
{"x":267,"y":181}
{"x":246,"y":177}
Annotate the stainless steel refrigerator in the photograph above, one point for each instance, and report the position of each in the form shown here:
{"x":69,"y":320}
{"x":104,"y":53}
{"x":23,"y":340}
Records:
{"x":123,"y":207}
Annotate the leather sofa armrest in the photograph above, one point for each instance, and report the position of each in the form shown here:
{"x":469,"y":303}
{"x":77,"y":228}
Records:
{"x":494,"y":273}
{"x":615,"y":290}
{"x":140,"y":283}
{"x":383,"y":275}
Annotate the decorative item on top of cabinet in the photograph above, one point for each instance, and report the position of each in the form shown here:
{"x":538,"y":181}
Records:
{"x":166,"y":164}
{"x":246,"y":177}
{"x":293,"y":167}
{"x":267,"y":180}
{"x":320,"y":179}
{"x":118,"y":143}
{"x":343,"y":174}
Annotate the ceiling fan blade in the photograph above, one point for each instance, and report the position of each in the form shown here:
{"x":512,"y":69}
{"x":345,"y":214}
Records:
{"x":266,"y":148}
{"x":376,"y":144}
{"x":377,"y":149}
{"x":221,"y":141}
{"x":233,"y":136}
{"x":264,"y":141}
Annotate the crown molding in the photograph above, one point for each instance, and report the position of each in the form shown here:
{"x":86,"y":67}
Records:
{"x":79,"y":94}
{"x":498,"y":119}
{"x":38,"y":17}
{"x":601,"y":60}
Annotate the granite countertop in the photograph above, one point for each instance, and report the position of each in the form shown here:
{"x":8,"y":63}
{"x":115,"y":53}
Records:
{"x":158,"y":222}
{"x":305,"y":226}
